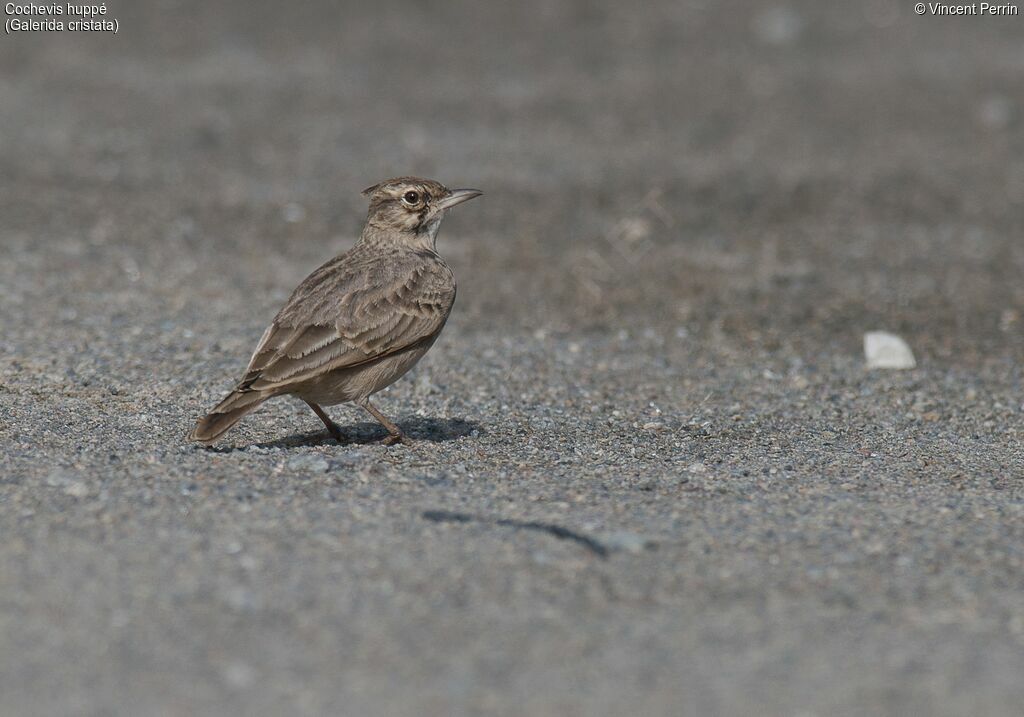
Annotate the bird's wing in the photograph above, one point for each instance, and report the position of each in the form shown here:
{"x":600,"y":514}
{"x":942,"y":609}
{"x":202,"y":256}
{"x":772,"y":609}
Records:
{"x":350,"y":312}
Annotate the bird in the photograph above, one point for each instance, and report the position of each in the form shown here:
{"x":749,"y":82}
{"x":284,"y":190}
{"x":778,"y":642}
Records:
{"x":360,"y":321}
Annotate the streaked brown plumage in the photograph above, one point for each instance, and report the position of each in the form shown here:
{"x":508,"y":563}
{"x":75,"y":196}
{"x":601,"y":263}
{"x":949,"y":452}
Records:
{"x":360,"y":321}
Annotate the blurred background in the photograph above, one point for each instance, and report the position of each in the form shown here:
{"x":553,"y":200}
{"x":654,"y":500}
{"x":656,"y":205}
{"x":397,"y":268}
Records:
{"x":693,"y":211}
{"x":783,"y":172}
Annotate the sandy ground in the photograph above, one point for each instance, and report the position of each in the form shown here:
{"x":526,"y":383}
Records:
{"x":653,"y":474}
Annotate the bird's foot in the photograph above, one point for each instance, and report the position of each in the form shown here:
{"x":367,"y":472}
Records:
{"x":393,"y":438}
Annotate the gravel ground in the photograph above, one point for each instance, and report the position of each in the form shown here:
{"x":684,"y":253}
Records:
{"x":653,"y":474}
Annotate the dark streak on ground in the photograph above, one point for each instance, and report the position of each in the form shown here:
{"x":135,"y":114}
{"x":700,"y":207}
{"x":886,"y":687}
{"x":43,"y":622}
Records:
{"x":557,"y":531}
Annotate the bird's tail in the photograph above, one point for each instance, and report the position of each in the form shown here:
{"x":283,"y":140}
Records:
{"x":226,"y":414}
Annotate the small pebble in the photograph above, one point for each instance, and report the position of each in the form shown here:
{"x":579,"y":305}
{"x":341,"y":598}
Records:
{"x":887,"y":351}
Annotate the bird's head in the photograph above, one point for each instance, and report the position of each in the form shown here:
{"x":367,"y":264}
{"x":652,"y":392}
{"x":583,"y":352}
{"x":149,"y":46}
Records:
{"x":411,"y":207}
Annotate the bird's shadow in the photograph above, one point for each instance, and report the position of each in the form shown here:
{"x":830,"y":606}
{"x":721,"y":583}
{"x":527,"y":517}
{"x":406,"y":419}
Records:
{"x":435,"y":430}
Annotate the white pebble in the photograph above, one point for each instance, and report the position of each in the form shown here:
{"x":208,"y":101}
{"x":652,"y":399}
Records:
{"x":889,"y":351}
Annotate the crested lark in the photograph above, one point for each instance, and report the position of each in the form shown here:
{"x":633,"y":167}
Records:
{"x":360,"y":321}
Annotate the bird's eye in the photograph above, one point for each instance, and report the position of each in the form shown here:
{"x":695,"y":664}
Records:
{"x":411,"y":197}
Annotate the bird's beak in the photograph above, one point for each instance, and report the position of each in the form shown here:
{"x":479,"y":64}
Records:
{"x":458,"y":196}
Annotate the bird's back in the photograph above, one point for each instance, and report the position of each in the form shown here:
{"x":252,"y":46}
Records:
{"x":363,"y":305}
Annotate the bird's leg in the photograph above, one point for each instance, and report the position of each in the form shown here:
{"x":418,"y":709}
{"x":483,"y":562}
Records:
{"x":395,"y":434}
{"x":332,"y":427}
